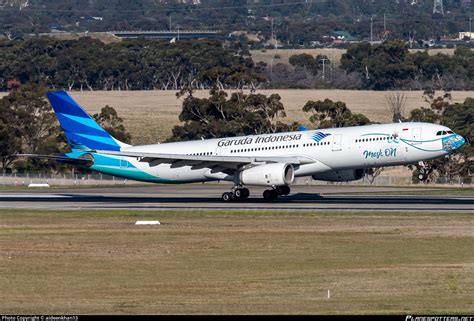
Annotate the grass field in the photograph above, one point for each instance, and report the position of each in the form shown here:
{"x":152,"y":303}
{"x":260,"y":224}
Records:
{"x":150,"y":115}
{"x":235,"y":262}
{"x":283,"y":55}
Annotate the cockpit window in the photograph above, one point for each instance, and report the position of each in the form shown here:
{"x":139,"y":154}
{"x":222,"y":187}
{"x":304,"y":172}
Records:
{"x":439,"y":133}
{"x":450,"y":132}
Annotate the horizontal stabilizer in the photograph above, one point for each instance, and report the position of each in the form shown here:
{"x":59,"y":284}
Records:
{"x":59,"y":158}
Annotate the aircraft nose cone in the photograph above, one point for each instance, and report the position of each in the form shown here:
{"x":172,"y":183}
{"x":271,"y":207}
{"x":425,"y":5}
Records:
{"x":458,"y":142}
{"x":453,"y":142}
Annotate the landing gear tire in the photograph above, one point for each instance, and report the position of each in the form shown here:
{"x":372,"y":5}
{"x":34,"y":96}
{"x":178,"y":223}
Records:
{"x":423,"y":175}
{"x":270,"y":194}
{"x":245,"y":193}
{"x":283,"y":190}
{"x":238,"y":193}
{"x":228,"y":197}
{"x":241,"y":193}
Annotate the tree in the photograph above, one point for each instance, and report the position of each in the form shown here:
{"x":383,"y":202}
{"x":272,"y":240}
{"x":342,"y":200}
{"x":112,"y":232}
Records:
{"x":112,"y":123}
{"x":396,"y":103}
{"x":460,"y":118}
{"x":10,"y":143}
{"x":220,"y":116}
{"x":29,"y":126}
{"x":306,"y":61}
{"x":382,"y":66}
{"x":372,"y":173}
{"x":327,"y":113}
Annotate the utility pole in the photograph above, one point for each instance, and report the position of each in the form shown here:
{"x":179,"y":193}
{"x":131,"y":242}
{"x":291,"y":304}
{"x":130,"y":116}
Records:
{"x":470,"y":29}
{"x":371,"y":29}
{"x":324,"y":69}
{"x":271,"y":70}
{"x":170,"y":22}
{"x":384,"y":24}
{"x":273,"y":41}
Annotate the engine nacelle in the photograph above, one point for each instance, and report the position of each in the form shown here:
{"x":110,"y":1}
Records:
{"x":341,"y":175}
{"x":268,"y":175}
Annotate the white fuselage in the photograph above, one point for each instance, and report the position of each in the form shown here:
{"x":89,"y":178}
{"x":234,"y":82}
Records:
{"x":328,"y":149}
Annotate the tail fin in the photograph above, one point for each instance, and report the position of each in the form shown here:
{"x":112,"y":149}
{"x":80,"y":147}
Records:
{"x":82,"y":132}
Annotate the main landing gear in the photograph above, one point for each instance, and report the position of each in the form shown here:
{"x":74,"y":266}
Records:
{"x":272,"y":194}
{"x":237,"y":193}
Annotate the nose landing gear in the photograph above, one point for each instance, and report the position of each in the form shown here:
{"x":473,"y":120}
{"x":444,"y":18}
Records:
{"x":424,"y":171}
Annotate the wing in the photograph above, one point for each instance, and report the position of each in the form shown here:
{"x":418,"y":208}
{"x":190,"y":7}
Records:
{"x":208,"y":160}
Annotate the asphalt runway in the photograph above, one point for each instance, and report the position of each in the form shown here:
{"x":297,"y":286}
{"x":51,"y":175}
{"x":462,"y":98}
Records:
{"x":207,"y":197}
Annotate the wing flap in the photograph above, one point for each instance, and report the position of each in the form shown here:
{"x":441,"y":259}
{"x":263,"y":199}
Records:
{"x":156,"y":158}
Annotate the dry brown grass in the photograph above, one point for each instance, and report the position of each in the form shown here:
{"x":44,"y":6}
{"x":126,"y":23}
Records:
{"x":105,"y":37}
{"x":217,"y":262}
{"x":333,"y":54}
{"x":150,"y":115}
{"x":266,"y":56}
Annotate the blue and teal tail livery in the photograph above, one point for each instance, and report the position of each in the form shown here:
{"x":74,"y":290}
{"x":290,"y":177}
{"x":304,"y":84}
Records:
{"x":82,"y":132}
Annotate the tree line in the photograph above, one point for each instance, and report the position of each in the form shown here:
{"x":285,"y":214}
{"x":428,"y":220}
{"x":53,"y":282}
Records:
{"x":88,"y":64}
{"x":28,"y":125}
{"x":383,"y":66}
{"x":295,"y":22}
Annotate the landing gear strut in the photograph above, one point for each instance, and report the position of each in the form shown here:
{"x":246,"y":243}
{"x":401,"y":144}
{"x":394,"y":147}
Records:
{"x":237,"y":193}
{"x":272,"y":194}
{"x":424,"y":171}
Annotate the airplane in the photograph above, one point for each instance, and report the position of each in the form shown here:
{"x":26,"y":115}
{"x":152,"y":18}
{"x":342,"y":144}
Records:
{"x":270,"y":160}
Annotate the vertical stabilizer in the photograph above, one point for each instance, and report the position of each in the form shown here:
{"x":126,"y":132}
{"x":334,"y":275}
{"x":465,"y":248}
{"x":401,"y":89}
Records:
{"x":81,"y":130}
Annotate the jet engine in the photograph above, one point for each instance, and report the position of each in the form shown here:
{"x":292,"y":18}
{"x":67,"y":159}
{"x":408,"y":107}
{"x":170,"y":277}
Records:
{"x":276,"y":174}
{"x":341,"y":175}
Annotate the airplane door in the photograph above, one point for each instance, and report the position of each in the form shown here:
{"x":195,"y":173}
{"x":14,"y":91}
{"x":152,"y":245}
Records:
{"x":218,"y":151}
{"x":416,"y":136}
{"x":336,"y":143}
